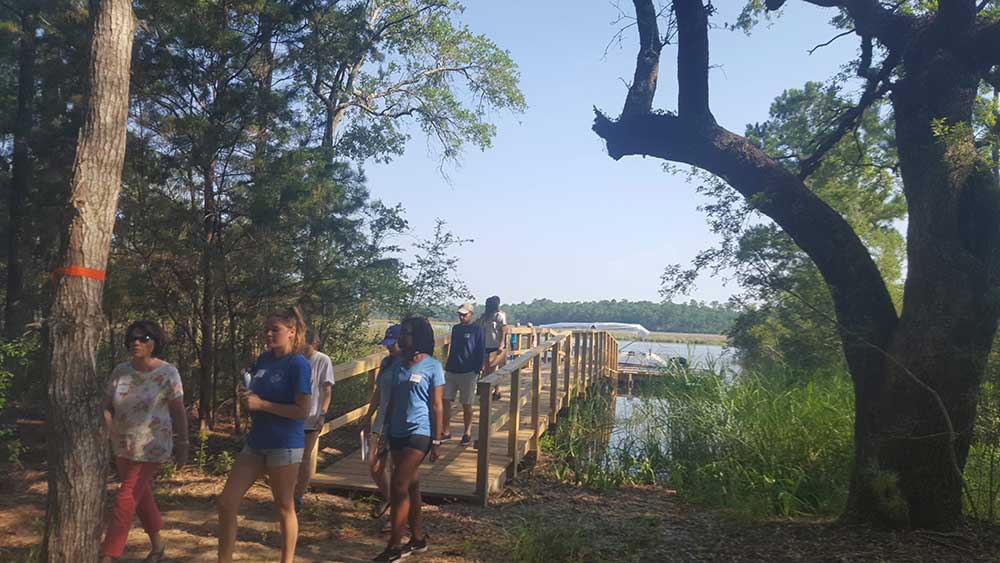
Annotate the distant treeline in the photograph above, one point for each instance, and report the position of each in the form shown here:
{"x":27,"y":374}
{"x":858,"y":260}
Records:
{"x":694,"y":316}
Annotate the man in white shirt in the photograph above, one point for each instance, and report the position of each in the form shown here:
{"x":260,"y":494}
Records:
{"x":322,"y":391}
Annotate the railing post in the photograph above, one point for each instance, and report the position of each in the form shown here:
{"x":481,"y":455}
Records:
{"x":536,"y":400}
{"x":591,"y":358}
{"x":483,"y":454}
{"x":514,"y":421}
{"x":567,"y":370}
{"x":577,"y":360}
{"x":554,"y":381}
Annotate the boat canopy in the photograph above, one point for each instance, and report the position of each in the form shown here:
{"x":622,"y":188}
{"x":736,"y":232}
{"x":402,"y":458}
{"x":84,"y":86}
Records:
{"x":613,"y":327}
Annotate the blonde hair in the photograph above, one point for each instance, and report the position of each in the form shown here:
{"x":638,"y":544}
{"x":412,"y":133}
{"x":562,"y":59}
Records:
{"x":293,"y":319}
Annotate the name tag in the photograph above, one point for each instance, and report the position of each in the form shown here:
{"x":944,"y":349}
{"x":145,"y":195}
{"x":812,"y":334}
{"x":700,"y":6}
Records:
{"x":123,"y":388}
{"x":416,"y":378}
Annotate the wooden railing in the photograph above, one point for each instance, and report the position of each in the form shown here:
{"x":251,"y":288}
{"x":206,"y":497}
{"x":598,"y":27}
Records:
{"x":576,"y":360}
{"x":582,"y":356}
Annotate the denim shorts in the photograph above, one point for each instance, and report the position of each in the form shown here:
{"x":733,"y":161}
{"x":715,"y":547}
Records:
{"x":275,"y":457}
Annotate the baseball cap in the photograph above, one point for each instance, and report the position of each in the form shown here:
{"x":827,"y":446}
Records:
{"x":391,"y":335}
{"x":466,"y":308}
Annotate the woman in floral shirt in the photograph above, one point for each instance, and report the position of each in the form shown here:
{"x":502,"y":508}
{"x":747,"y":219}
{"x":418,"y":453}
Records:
{"x":145,"y":409}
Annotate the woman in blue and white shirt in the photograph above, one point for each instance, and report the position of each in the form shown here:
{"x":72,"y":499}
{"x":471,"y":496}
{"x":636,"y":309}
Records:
{"x":414,"y":422}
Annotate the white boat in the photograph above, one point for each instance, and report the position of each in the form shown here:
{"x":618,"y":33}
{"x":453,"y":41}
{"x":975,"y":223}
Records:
{"x":640,"y":359}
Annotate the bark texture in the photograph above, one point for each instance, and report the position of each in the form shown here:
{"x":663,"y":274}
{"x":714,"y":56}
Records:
{"x":77,"y":443}
{"x":916,"y":375}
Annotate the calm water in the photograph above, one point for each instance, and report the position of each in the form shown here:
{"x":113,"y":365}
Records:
{"x":699,"y":356}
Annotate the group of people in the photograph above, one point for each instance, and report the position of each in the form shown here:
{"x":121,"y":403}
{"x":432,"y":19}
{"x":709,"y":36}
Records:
{"x":287,"y":393}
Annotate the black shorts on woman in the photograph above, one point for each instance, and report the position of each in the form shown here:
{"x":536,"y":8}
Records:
{"x":414,"y":442}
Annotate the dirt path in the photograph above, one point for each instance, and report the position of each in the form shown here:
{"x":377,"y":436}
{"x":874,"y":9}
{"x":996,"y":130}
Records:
{"x":535,"y":520}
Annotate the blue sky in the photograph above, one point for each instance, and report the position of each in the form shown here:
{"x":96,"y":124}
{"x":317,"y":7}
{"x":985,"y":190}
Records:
{"x":550,"y":213}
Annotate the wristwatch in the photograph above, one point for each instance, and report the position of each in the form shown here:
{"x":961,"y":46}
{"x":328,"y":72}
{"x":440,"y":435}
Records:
{"x":435,"y":442}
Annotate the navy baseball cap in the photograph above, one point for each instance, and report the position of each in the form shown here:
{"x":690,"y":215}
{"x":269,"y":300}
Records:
{"x":391,"y":335}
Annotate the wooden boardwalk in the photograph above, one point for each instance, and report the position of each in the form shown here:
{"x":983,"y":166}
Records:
{"x":454,"y":473}
{"x":546,"y":377}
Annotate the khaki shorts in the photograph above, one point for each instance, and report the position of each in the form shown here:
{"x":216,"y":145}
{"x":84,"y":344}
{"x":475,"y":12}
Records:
{"x":460,"y":383}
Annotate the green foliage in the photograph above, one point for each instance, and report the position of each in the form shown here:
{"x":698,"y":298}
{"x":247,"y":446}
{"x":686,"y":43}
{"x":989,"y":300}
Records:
{"x":578,"y":447}
{"x":14,"y":354}
{"x":982,"y":468}
{"x":762,"y":443}
{"x":788,"y":321}
{"x":378,"y":66}
{"x":222,"y":462}
{"x":201,"y":455}
{"x":432,"y":281}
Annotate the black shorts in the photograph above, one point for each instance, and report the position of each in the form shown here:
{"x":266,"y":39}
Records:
{"x":413,"y":441}
{"x":491,"y":350}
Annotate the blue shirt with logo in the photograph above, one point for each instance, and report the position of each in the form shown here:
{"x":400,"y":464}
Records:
{"x":411,"y":396}
{"x":278,"y":380}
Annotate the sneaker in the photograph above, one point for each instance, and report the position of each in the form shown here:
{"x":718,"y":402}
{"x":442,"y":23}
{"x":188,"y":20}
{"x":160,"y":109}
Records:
{"x":466,"y":440}
{"x":298,"y":504}
{"x":446,"y":437}
{"x":496,"y":395}
{"x":414,"y":546}
{"x":390,"y":554}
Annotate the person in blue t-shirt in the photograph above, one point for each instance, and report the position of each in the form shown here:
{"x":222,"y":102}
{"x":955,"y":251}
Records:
{"x":414,"y":422}
{"x":278,"y":402}
{"x":378,"y":404}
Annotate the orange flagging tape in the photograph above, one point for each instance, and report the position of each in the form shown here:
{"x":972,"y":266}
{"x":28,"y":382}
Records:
{"x":80,"y":272}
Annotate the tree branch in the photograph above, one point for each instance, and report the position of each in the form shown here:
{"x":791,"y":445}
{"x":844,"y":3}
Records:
{"x":861,"y":299}
{"x":692,"y":60}
{"x":647,"y":65}
{"x":832,"y":39}
{"x":876,"y":87}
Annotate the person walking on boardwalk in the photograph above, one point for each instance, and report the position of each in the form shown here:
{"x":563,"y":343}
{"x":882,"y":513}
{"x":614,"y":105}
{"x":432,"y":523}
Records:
{"x":466,"y":358}
{"x":144,"y":410}
{"x":414,"y":416}
{"x":494,"y":323}
{"x":278,"y":402}
{"x":321,"y":369}
{"x":378,"y":404}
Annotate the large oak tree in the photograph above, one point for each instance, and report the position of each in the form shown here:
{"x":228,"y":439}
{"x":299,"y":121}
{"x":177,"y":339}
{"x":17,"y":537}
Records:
{"x":916,"y":373}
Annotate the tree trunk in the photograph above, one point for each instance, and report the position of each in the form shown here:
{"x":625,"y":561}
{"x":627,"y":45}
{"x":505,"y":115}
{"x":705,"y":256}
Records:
{"x":76,"y":440}
{"x":16,"y":310}
{"x":915,"y":418}
{"x":206,"y":355}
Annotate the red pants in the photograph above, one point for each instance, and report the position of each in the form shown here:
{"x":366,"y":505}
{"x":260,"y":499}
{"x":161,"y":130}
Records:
{"x":135,"y":497}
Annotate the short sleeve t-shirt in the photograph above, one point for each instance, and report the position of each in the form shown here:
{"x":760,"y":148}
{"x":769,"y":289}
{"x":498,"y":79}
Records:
{"x":278,"y":380}
{"x":411,"y":392}
{"x":493,"y":329}
{"x":141,"y":428}
{"x":322,"y":373}
{"x":384,"y":382}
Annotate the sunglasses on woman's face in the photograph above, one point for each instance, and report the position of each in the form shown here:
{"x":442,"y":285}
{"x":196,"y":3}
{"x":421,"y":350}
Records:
{"x":144,"y":338}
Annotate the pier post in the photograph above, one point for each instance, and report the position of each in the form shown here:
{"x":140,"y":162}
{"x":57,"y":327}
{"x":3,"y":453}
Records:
{"x":485,"y":390}
{"x":514,"y":422}
{"x":536,"y":400}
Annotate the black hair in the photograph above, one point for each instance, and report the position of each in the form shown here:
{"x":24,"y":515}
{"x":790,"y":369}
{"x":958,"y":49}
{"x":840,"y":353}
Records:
{"x":147,"y":328}
{"x":422,"y":335}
